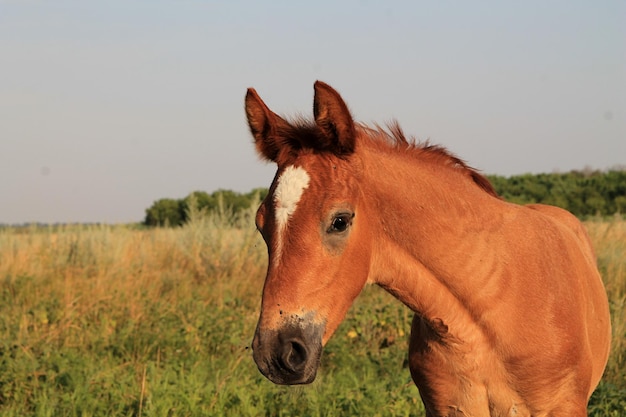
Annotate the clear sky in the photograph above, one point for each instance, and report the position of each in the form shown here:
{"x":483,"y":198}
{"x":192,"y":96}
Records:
{"x":108,"y":106}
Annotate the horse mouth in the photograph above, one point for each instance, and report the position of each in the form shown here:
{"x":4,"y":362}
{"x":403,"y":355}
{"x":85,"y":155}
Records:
{"x":290,"y":355}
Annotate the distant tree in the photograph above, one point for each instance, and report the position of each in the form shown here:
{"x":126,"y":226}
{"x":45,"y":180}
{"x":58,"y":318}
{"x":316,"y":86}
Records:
{"x":257,"y":195}
{"x":620,"y":204}
{"x":584,"y":193}
{"x":171,"y":212}
{"x":200,"y":200}
{"x":165,"y":212}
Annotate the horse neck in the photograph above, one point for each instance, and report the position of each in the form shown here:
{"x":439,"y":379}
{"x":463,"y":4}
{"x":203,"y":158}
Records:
{"x":432,"y":219}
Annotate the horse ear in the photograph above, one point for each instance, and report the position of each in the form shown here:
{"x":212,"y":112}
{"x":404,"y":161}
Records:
{"x":333,"y":118}
{"x":264,"y":124}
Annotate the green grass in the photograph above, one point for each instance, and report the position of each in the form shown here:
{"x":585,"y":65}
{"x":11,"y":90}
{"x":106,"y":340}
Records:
{"x":115,"y":321}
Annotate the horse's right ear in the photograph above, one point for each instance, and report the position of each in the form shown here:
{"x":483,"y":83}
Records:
{"x":264,"y":124}
{"x":333,"y":118}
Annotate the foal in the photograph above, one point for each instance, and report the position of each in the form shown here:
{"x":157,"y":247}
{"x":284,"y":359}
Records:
{"x":511,"y":316}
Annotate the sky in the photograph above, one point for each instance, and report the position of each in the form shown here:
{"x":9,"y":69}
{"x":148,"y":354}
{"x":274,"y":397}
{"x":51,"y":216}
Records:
{"x":106,"y":107}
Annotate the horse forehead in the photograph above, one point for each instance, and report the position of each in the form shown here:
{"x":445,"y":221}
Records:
{"x":290,"y":186}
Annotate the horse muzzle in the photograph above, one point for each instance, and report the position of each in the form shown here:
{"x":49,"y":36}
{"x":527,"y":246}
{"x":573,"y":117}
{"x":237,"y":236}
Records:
{"x":291,"y":354}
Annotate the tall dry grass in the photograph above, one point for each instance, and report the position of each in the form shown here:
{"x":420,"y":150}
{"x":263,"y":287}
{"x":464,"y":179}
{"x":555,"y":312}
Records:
{"x":91,"y":271}
{"x":609,"y":239}
{"x":115,"y":320}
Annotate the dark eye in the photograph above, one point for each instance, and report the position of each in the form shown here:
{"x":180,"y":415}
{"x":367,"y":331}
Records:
{"x":340,"y":223}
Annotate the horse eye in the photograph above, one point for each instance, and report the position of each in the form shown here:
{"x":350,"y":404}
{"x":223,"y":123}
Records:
{"x":340,"y":223}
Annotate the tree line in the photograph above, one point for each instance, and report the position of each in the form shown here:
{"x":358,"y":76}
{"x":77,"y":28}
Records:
{"x":584,"y":193}
{"x":176,"y":212}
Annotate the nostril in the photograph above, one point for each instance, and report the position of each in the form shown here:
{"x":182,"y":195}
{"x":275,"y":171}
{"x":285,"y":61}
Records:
{"x":294,"y":356}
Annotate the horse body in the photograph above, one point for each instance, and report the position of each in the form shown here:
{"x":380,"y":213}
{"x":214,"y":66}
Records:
{"x":511,"y":317}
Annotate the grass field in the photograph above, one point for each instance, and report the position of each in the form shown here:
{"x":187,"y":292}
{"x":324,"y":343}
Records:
{"x":118,"y":321}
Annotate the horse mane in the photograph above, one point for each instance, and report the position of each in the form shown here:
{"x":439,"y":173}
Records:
{"x":302,"y":134}
{"x":394,"y":137}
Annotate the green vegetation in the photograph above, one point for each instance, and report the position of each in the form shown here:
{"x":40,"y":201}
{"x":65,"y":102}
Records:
{"x":171,"y":212}
{"x":115,"y":321}
{"x":584,"y":193}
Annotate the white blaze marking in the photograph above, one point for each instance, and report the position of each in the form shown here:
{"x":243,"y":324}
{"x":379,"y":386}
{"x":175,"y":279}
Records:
{"x":289,"y":188}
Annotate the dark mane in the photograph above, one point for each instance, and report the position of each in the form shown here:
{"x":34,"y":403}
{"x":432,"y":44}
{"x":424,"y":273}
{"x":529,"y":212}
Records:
{"x":394,"y":136}
{"x":303,"y":135}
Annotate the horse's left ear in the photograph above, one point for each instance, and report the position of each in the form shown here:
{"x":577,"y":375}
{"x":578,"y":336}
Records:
{"x":333,"y":118}
{"x":264,"y":126}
